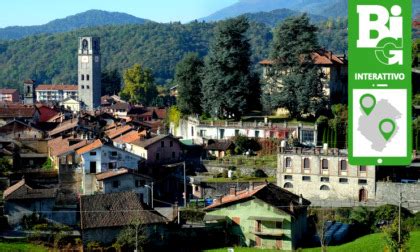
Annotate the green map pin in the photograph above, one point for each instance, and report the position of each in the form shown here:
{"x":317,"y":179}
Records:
{"x":387,"y":128}
{"x":367,"y":102}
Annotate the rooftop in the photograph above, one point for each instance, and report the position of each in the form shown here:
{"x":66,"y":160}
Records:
{"x":116,"y":173}
{"x":21,"y":191}
{"x":7,"y":90}
{"x":96,"y":144}
{"x":50,"y":87}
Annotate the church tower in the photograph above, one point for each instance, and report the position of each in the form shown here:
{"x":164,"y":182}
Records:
{"x":29,"y":92}
{"x":89,"y":72}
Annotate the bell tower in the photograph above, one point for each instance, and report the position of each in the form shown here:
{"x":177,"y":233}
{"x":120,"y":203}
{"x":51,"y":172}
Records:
{"x":29,"y":92}
{"x":89,"y":72}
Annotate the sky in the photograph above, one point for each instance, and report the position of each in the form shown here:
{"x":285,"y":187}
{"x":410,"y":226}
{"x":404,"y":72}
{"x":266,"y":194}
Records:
{"x":36,"y":12}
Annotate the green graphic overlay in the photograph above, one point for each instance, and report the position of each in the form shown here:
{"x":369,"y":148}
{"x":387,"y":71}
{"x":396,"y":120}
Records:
{"x":379,"y":42}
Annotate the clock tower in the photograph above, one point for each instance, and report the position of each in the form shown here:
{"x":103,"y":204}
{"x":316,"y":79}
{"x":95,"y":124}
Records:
{"x":89,"y":72}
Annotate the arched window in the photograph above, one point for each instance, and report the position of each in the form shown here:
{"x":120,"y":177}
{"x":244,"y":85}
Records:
{"x":324,"y":188}
{"x":343,"y":165}
{"x":288,"y":185}
{"x":325,"y":164}
{"x":84,"y":44}
{"x":288,"y":162}
{"x":306,"y":163}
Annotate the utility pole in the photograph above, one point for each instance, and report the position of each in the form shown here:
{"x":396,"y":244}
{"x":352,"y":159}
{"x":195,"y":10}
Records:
{"x":399,"y":220}
{"x":185,"y":187}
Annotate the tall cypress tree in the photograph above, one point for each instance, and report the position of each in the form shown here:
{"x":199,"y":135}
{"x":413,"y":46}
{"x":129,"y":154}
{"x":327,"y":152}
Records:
{"x":188,"y":78}
{"x":229,"y":87}
{"x":299,"y":79}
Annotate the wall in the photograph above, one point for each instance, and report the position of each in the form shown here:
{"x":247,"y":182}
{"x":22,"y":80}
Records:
{"x":244,"y":171}
{"x":390,"y":192}
{"x":312,"y":189}
{"x":127,"y":182}
{"x":165,"y":153}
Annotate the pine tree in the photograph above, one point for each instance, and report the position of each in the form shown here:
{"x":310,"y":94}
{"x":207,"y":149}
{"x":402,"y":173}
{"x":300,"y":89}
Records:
{"x":188,"y":78}
{"x":300,"y":79}
{"x":229,"y":87}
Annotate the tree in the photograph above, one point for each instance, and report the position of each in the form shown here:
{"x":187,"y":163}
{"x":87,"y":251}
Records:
{"x":133,"y":236}
{"x":174,"y":115}
{"x":298,"y":87}
{"x":188,"y":78}
{"x":244,"y":143}
{"x":111,"y":82}
{"x":229,"y":87}
{"x":139,"y":85}
{"x":392,"y":239}
{"x":321,"y":220}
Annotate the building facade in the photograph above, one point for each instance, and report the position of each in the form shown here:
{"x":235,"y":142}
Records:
{"x":9,"y":95}
{"x":89,"y":72}
{"x":29,"y":92}
{"x":324,"y":174}
{"x":55,"y":92}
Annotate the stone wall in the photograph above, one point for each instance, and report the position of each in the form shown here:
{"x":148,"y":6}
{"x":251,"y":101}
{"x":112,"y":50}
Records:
{"x":390,"y":192}
{"x":214,"y":189}
{"x":244,"y":171}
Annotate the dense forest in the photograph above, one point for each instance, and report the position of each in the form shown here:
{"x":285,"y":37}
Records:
{"x":53,"y":58}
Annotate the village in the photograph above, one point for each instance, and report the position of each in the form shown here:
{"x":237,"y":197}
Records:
{"x":84,"y":171}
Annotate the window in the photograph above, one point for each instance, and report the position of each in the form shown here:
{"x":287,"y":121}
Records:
{"x":362,"y":168}
{"x":258,"y":226}
{"x":192,"y":131}
{"x":92,"y":167}
{"x":87,"y":76}
{"x":112,"y":166}
{"x":288,"y":185}
{"x":82,"y":77}
{"x":222,"y":133}
{"x":87,"y":86}
{"x":92,"y":153}
{"x":114,"y":153}
{"x":84,"y":44}
{"x":306,"y":178}
{"x":279,"y":225}
{"x":288,"y":177}
{"x":288,"y":162}
{"x":362,"y":182}
{"x":307,"y":136}
{"x":325,"y":179}
{"x":162,"y":144}
{"x":173,"y":154}
{"x":171,"y":143}
{"x":257,"y":133}
{"x":306,"y":164}
{"x":115,"y":184}
{"x":157,"y":156}
{"x":343,"y":180}
{"x":325,"y":164}
{"x":343,"y":165}
{"x":324,"y":188}
{"x":83,"y":87}
{"x":237,"y":132}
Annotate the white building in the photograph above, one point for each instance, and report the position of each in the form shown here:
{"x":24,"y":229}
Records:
{"x":199,"y":131}
{"x":55,"y":92}
{"x":71,"y":104}
{"x":99,"y":157}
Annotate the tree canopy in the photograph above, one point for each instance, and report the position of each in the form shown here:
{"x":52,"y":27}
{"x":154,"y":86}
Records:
{"x":298,"y":85}
{"x":228,"y":83}
{"x":139,"y":85}
{"x":188,"y":78}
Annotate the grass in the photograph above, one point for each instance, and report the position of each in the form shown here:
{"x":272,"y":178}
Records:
{"x":21,"y":247}
{"x":368,"y":243}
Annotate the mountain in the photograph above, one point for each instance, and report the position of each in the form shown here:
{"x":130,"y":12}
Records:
{"x":253,"y":6}
{"x":272,"y":18}
{"x":91,"y":18}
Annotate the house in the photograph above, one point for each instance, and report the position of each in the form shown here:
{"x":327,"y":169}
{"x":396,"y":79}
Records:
{"x":219,"y":148}
{"x":120,"y":109}
{"x":161,"y":149}
{"x":9,"y":95}
{"x":324,"y":174}
{"x":46,"y":112}
{"x":333,"y":67}
{"x":118,"y":131}
{"x":201,"y":131}
{"x":17,"y":129}
{"x":103,"y":216}
{"x":23,"y":199}
{"x":277,"y":219}
{"x":11,"y":111}
{"x":123,"y":179}
{"x":55,"y":92}
{"x":71,"y":104}
{"x":101,"y":156}
{"x":62,"y":152}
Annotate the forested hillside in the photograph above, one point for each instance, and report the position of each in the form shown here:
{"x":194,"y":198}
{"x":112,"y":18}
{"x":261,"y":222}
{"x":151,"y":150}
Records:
{"x":91,"y":18}
{"x":53,"y":58}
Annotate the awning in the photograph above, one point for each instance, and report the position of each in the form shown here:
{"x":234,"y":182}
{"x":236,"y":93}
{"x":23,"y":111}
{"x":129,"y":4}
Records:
{"x":262,"y":218}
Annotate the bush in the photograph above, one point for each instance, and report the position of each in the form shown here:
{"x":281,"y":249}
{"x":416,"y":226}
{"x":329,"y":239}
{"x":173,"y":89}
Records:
{"x":244,"y":143}
{"x":259,"y":174}
{"x":93,"y":245}
{"x":191,"y":215}
{"x":413,"y":222}
{"x":385,"y":214}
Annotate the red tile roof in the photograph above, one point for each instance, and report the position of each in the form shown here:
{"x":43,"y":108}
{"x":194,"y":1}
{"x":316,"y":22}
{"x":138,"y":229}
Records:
{"x":118,"y":131}
{"x":96,"y":144}
{"x":63,"y":126}
{"x":67,"y":87}
{"x":61,"y":146}
{"x":7,"y":90}
{"x":130,"y":136}
{"x":320,"y":57}
{"x":17,"y":111}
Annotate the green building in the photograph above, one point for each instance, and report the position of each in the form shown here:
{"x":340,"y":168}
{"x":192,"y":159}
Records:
{"x":266,"y":216}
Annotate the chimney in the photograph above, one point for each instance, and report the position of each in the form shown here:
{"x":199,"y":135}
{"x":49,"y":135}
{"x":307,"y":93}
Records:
{"x":251,"y":186}
{"x":232,"y":191}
